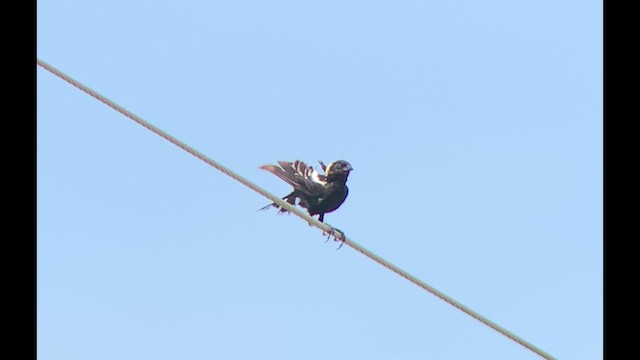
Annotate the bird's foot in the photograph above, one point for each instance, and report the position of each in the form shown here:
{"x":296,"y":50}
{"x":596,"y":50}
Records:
{"x":332,"y":234}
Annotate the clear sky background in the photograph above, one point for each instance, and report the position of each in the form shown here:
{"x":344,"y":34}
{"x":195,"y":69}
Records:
{"x":475,"y":131}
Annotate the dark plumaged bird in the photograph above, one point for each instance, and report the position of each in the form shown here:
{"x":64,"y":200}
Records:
{"x":318,"y":193}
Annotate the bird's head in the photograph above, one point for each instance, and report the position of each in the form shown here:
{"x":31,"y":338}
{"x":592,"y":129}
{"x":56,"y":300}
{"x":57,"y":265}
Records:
{"x":338,"y":169}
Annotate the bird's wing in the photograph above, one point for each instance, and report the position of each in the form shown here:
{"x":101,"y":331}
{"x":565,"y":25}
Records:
{"x":302,"y":177}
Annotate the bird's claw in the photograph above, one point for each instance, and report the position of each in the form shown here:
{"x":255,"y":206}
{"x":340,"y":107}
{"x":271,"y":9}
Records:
{"x":332,"y":233}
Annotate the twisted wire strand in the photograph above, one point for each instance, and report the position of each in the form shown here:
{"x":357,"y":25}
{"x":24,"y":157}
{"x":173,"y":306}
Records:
{"x":312,"y":221}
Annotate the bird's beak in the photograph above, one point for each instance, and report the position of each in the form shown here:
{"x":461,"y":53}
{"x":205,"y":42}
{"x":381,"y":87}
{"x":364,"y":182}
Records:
{"x":348,"y":168}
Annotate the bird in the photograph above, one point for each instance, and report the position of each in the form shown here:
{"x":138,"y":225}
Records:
{"x":318,"y":193}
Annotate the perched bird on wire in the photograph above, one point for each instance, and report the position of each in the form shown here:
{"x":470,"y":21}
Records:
{"x":318,"y":193}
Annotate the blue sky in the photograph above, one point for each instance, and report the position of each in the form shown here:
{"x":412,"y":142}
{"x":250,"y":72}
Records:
{"x":475,"y":131}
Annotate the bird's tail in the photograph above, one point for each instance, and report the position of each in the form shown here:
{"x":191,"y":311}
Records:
{"x":291,"y":199}
{"x":279,"y":172}
{"x":266,"y":207}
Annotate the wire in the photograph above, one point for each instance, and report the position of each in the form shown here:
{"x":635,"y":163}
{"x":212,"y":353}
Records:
{"x":312,"y":221}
